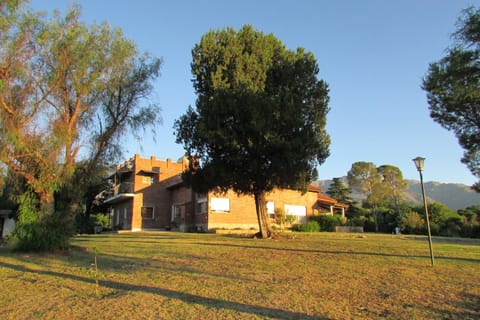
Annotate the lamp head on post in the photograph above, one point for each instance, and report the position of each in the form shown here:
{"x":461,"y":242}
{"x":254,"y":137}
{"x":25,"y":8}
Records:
{"x":419,"y":163}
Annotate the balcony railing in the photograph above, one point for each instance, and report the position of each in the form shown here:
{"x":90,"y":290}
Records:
{"x":124,"y":187}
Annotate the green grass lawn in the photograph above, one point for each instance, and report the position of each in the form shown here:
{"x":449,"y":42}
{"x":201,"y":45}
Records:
{"x":168,"y":275}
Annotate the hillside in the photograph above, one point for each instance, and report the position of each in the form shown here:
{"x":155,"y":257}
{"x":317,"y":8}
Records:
{"x":454,"y":195}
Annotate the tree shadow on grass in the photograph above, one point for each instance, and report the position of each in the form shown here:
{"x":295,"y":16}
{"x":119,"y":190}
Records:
{"x":338,"y":252}
{"x":467,"y":308}
{"x":127,"y":236}
{"x":114,"y":263}
{"x":172,"y":294}
{"x":447,"y":240}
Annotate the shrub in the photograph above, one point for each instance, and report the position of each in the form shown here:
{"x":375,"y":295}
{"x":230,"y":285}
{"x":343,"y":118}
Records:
{"x":290,"y":219}
{"x":471,"y":226}
{"x":434,"y":229}
{"x":474,"y":231}
{"x":83,"y":223}
{"x":279,"y":216}
{"x":358,"y":221}
{"x":369,"y":225}
{"x":452,"y":226}
{"x":101,"y":219}
{"x":310,"y":226}
{"x":34,"y":233}
{"x":86,"y":224}
{"x":327,"y":222}
{"x":412,"y":223}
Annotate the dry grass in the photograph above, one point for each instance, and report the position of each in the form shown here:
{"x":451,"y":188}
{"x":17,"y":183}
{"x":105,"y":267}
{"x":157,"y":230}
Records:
{"x":203,"y":276}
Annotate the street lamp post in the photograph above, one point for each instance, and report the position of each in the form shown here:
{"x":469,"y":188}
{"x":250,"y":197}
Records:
{"x":419,"y":164}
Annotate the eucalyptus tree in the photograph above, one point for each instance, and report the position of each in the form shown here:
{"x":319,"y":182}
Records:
{"x":260,"y":116}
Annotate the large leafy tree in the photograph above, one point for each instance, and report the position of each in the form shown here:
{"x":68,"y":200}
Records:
{"x":393,"y":184}
{"x":377,"y":184}
{"x":67,"y":91}
{"x":260,"y":116}
{"x":364,"y":178}
{"x":453,"y":89}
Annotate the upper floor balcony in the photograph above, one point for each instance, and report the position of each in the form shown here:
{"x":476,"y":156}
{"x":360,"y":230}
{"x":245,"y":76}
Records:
{"x":123,"y":187}
{"x":121,"y":192}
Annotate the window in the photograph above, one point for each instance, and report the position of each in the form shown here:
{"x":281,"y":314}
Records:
{"x":147,"y":213}
{"x":300,"y":212}
{"x":295,"y":210}
{"x":271,"y":209}
{"x":176,"y":212}
{"x":220,"y":204}
{"x":147,"y":179}
{"x":201,"y":204}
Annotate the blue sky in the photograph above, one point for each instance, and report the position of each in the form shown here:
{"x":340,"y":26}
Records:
{"x":372,"y":53}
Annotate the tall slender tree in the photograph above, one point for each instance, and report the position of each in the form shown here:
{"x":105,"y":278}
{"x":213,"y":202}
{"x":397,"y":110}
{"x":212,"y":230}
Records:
{"x":260,"y":117}
{"x":393,"y":183}
{"x":364,"y":178}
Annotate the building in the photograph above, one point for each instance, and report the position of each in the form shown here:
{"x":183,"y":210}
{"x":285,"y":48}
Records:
{"x":211,"y":211}
{"x":7,"y":223}
{"x":141,"y":199}
{"x":330,"y":206}
{"x":150,"y":194}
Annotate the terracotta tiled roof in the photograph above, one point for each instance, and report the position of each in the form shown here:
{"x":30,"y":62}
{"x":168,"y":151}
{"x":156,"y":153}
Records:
{"x":326,"y":199}
{"x":330,"y":201}
{"x":313,"y":188}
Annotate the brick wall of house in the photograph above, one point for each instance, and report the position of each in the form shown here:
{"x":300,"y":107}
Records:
{"x":280,"y":198}
{"x":182,"y":201}
{"x":242,"y":212}
{"x":166,"y":168}
{"x":122,"y":215}
{"x":155,"y":195}
{"x":166,"y":191}
{"x":150,"y":191}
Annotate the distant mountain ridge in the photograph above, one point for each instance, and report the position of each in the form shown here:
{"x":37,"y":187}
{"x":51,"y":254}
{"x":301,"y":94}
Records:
{"x":453,"y":195}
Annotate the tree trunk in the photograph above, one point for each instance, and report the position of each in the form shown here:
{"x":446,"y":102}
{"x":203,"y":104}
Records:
{"x":47,"y":203}
{"x":375,"y":218}
{"x":263,"y":223}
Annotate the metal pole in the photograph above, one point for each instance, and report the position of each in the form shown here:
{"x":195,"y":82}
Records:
{"x":428,"y":219}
